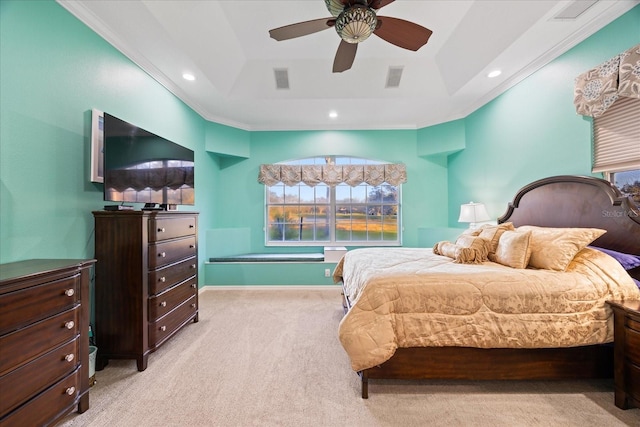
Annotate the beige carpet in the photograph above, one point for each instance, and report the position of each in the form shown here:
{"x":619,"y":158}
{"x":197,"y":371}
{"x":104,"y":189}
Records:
{"x":272,"y":358}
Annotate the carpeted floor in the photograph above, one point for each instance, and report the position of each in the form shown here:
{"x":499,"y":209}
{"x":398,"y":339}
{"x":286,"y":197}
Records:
{"x":272,"y":358}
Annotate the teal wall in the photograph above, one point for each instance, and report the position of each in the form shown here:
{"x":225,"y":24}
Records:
{"x":54,"y":70}
{"x":424,"y":194}
{"x":532,"y":131}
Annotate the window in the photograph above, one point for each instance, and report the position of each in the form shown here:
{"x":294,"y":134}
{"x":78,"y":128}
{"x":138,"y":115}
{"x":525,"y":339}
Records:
{"x":628,"y":182}
{"x":323,"y":215}
{"x":616,"y":148}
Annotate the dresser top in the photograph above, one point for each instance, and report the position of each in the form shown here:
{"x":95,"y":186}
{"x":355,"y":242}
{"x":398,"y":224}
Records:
{"x":21,"y":270}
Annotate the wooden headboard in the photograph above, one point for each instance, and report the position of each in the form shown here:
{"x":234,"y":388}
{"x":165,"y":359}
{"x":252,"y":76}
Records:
{"x":579,"y":201}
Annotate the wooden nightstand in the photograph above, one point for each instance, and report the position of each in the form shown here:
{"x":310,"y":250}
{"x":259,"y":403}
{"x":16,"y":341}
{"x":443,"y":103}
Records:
{"x":626,"y":353}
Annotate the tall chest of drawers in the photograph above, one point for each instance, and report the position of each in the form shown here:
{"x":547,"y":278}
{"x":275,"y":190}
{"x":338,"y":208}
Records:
{"x":146,"y":284}
{"x":44,"y":344}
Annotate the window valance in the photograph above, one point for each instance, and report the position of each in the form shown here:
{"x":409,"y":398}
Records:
{"x":597,"y":89}
{"x":332,"y":175}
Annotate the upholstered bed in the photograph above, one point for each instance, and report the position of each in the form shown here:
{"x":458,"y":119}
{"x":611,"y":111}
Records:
{"x":524,"y":299}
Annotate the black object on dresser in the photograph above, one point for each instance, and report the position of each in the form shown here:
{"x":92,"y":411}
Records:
{"x":626,"y":353}
{"x":146,"y":285}
{"x":44,"y":347}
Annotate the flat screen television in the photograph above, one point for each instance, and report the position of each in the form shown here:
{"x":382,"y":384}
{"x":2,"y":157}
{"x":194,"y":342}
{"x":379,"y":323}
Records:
{"x":141,"y":167}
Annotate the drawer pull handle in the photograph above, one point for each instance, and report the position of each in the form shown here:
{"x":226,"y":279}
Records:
{"x":192,"y":246}
{"x":70,"y":324}
{"x":193,"y":266}
{"x":163,"y":328}
{"x":163,"y":304}
{"x":162,"y":254}
{"x":161,"y":230}
{"x":192,"y":226}
{"x":69,"y":292}
{"x":193,"y":285}
{"x":193,"y":305}
{"x":70,"y":391}
{"x":69,"y":357}
{"x":162,"y":279}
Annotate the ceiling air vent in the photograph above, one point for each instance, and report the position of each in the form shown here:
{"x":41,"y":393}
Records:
{"x":574,"y":9}
{"x":393,"y":77}
{"x":282,"y":78}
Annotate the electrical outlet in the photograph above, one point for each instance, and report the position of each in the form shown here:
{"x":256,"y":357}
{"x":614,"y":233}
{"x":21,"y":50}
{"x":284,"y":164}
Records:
{"x":327,"y":272}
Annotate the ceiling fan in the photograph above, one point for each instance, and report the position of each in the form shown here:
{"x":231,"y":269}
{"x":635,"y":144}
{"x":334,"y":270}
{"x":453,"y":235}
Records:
{"x":355,"y":21}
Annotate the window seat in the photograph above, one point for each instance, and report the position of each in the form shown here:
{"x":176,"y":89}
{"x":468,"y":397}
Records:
{"x":275,"y":257}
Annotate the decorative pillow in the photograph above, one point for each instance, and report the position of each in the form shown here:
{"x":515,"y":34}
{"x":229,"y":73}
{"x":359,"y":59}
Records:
{"x":493,"y":233}
{"x":555,"y":248}
{"x":467,"y":250}
{"x":514,"y":249}
{"x":628,"y":261}
{"x":479,"y":245}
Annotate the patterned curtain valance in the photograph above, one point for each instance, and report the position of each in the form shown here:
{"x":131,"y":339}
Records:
{"x":596,"y":89}
{"x":332,"y":175}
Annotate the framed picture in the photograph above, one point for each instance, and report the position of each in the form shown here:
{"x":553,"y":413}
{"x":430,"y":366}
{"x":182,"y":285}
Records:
{"x":97,"y":144}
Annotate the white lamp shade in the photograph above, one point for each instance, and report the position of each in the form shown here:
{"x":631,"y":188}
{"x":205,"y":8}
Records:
{"x":473,"y":212}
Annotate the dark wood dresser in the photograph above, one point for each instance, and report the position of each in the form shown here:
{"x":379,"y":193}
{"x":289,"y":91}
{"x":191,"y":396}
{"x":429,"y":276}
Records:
{"x":626,"y":353}
{"x":44,"y":343}
{"x":146,"y":285}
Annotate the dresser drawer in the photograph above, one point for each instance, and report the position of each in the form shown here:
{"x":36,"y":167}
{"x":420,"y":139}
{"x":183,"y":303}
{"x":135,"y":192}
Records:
{"x":25,"y":306}
{"x":633,"y":380}
{"x":21,"y":384}
{"x":632,"y":346}
{"x":163,"y":303}
{"x":39,"y":411}
{"x":24,"y":345}
{"x":164,"y":253}
{"x":633,"y":322}
{"x":162,"y":328}
{"x":168,"y":276}
{"x":170,"y":228}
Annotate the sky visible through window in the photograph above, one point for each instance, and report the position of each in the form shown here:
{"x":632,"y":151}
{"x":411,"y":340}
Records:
{"x":628,"y":177}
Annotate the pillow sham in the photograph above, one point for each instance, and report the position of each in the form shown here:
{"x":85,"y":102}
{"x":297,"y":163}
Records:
{"x":628,"y":261}
{"x":493,"y":233}
{"x":555,"y":248}
{"x":513,"y":250}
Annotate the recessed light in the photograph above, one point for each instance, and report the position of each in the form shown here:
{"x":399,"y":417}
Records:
{"x":494,"y":73}
{"x":188,"y":76}
{"x":333,"y":114}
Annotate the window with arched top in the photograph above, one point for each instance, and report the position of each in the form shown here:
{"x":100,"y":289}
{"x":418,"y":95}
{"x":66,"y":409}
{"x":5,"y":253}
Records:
{"x":333,"y":200}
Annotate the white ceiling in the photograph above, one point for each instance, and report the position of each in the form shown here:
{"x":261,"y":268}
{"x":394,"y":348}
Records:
{"x":226,"y":45}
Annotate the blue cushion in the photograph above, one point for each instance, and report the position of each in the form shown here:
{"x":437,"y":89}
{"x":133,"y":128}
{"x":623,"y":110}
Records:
{"x":627,"y":261}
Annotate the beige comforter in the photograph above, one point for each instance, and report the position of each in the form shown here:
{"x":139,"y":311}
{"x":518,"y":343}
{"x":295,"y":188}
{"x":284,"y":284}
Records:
{"x":405,"y":297}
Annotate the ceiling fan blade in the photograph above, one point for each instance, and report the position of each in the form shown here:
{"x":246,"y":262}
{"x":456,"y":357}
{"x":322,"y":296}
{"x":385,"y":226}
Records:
{"x":401,"y":33}
{"x":344,"y":56}
{"x":378,"y":4}
{"x":301,"y":29}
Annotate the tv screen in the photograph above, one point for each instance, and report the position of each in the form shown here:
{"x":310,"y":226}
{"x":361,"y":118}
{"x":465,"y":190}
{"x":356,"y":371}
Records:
{"x":142,"y":167}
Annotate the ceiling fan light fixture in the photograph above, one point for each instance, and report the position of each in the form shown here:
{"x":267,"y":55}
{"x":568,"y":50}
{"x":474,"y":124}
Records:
{"x":356,"y":24}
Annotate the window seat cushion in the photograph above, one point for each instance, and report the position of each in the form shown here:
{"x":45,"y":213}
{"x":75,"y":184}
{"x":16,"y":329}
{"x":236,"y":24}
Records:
{"x":277,"y":257}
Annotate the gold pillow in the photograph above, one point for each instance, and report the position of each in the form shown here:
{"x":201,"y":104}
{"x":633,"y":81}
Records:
{"x":514,"y":249}
{"x":555,"y":248}
{"x":467,"y":250}
{"x":478,"y":244}
{"x":493,"y":233}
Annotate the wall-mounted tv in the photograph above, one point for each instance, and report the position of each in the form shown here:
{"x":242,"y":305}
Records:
{"x":141,"y":167}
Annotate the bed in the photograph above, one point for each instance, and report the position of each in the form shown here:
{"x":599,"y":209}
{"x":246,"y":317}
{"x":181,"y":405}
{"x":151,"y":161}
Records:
{"x":416,"y":313}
